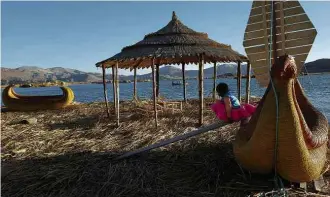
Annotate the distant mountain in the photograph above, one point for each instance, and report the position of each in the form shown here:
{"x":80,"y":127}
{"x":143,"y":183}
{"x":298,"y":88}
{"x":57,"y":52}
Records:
{"x":318,"y":66}
{"x":173,"y":72}
{"x":35,"y":74}
{"x":31,"y":74}
{"x":28,"y":74}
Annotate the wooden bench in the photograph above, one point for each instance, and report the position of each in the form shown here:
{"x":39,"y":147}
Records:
{"x":171,"y":104}
{"x":161,"y":106}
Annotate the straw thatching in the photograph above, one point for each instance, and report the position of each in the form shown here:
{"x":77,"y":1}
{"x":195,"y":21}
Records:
{"x":173,"y":44}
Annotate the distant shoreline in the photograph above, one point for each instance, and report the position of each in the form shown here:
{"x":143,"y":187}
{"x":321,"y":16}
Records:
{"x":322,"y":73}
{"x":141,"y":80}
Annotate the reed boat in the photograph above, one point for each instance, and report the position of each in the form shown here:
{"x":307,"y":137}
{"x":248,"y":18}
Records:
{"x":178,"y":83}
{"x":287,"y":134}
{"x":17,"y":102}
{"x":26,"y":86}
{"x":299,"y":140}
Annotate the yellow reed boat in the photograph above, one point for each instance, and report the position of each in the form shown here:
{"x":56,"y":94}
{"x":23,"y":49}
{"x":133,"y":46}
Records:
{"x":16,"y":102}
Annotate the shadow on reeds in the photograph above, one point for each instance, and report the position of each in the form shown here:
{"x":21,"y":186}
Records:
{"x":71,"y":107}
{"x":203,"y":171}
{"x":78,"y":123}
{"x":92,"y":121}
{"x":4,"y":109}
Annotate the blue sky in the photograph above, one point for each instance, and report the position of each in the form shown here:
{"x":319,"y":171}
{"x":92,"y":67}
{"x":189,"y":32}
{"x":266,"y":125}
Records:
{"x":79,"y":34}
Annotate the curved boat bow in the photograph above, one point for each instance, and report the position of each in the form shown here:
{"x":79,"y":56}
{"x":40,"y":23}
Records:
{"x":17,"y":102}
{"x":302,"y":130}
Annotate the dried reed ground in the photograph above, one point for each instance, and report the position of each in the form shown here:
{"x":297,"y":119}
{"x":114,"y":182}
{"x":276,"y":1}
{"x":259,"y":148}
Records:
{"x":70,"y":153}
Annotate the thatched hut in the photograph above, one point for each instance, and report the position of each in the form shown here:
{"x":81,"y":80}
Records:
{"x":173,"y":44}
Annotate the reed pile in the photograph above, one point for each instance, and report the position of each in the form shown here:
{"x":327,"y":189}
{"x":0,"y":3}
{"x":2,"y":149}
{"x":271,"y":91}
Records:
{"x":71,"y":152}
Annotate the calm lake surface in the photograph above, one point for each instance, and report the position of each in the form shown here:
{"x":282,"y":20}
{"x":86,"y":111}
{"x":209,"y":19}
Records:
{"x":316,"y":87}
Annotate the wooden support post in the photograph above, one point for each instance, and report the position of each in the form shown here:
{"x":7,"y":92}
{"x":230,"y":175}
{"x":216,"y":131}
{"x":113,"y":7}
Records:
{"x":184,"y":82}
{"x":264,"y":24}
{"x":248,"y":79}
{"x":114,"y":89}
{"x":157,"y":80}
{"x":239,"y":77}
{"x":117,"y":94}
{"x":105,"y":90}
{"x":154,"y":90}
{"x":135,"y":82}
{"x":282,"y":29}
{"x":274,"y":46}
{"x":201,"y":89}
{"x":214,"y":79}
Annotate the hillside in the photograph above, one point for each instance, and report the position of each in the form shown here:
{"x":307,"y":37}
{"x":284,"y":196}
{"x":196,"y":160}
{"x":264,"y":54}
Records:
{"x":35,"y":74}
{"x":30,"y":74}
{"x":174,"y":72}
{"x":318,"y":66}
{"x":26,"y":74}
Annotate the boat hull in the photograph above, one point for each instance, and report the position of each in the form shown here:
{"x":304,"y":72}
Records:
{"x":16,"y":102}
{"x":301,"y":138}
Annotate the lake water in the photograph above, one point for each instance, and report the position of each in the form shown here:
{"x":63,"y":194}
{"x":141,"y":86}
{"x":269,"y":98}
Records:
{"x":316,"y":87}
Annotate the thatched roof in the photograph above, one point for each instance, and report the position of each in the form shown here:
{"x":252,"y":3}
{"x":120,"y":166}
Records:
{"x":173,"y":44}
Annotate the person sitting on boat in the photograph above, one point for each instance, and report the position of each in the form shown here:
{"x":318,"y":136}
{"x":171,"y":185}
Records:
{"x":229,"y":108}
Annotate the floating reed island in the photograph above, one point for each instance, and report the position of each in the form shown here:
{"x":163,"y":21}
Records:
{"x":75,"y":152}
{"x":70,"y":152}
